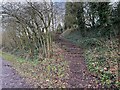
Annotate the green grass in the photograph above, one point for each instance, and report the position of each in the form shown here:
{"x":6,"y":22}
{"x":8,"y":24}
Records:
{"x":74,"y":37}
{"x":46,"y":73}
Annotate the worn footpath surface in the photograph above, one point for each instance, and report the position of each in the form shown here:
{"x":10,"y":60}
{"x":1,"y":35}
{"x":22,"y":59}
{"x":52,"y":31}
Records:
{"x":10,"y":78}
{"x":79,"y":76}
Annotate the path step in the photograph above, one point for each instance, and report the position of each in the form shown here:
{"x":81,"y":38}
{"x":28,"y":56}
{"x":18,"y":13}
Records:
{"x":78,"y":75}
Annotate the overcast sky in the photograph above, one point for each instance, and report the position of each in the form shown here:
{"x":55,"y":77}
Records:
{"x":31,"y":0}
{"x":57,"y":0}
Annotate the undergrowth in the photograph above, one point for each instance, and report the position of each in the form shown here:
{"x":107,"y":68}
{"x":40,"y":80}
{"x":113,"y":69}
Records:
{"x":48,"y":73}
{"x":102,"y":57}
{"x":103,"y":62}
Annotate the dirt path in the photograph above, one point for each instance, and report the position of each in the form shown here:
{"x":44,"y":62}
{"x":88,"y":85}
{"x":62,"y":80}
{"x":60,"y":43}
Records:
{"x":10,"y":78}
{"x":79,"y":77}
